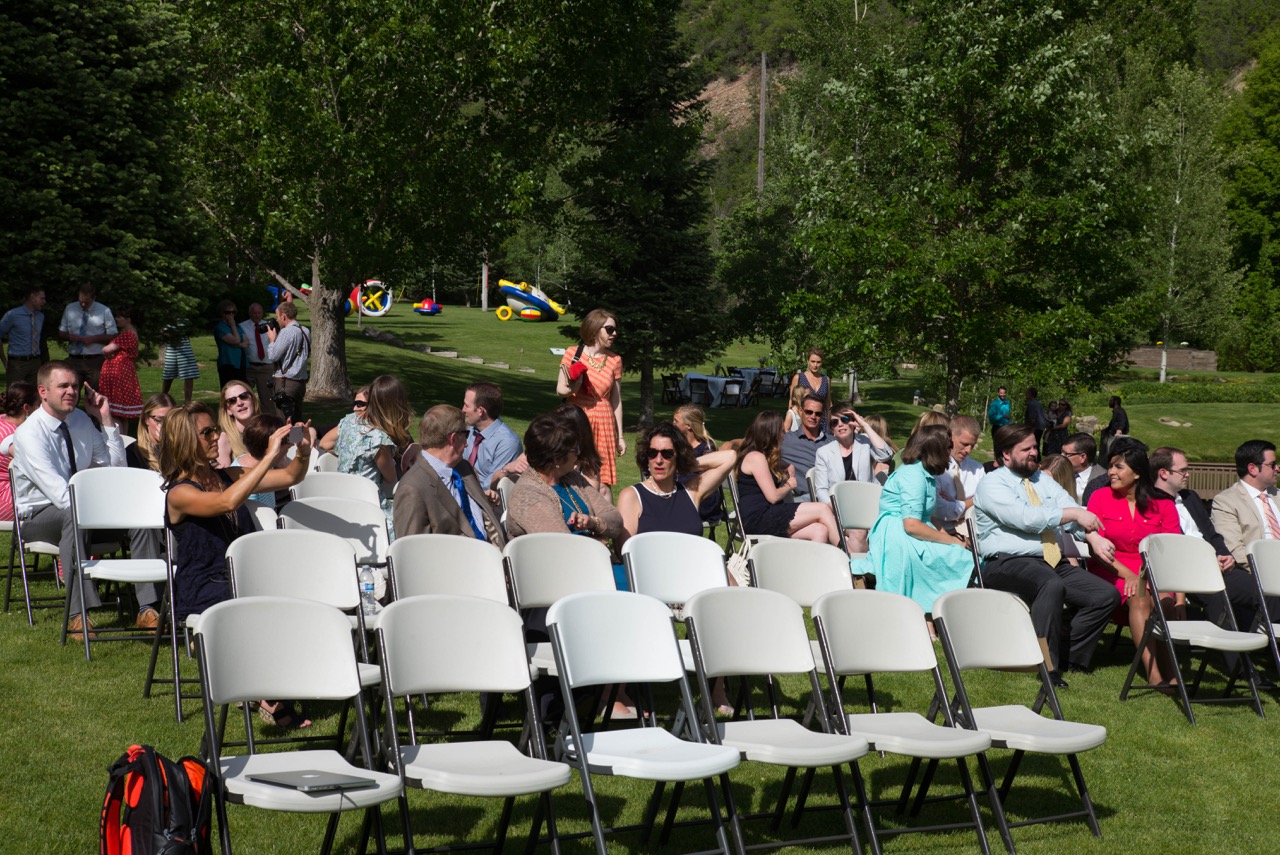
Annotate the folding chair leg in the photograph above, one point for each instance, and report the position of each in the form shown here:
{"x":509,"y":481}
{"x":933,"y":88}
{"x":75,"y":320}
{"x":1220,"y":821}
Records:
{"x":1010,"y":774}
{"x":864,"y":803}
{"x":925,"y":783}
{"x":651,"y":811}
{"x":908,"y":785}
{"x":504,"y":821}
{"x":997,"y":805}
{"x":677,"y":792}
{"x":967,"y":782}
{"x":846,"y":809}
{"x":802,"y":798}
{"x":717,"y":819}
{"x":735,"y":826}
{"x":1085,"y":800}
{"x":783,"y":796}
{"x":1137,"y":660}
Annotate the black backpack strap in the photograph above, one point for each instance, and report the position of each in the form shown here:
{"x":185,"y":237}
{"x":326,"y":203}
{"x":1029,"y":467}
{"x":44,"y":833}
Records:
{"x":109,"y":827}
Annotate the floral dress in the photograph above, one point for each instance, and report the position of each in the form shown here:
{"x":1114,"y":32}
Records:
{"x":119,"y":378}
{"x":358,"y":444}
{"x":595,"y":399}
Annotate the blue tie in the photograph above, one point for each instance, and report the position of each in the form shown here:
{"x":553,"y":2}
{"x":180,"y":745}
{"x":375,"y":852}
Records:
{"x":465,"y":502}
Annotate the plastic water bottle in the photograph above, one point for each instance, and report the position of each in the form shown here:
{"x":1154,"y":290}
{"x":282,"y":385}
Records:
{"x":368,"y":602}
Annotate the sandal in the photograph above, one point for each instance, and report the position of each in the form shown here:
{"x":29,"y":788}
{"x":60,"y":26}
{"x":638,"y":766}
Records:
{"x":282,"y":714}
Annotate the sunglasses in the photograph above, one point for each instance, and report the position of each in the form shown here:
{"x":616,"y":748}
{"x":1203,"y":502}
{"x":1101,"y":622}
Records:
{"x":610,"y":329}
{"x":835,"y":420}
{"x":664,"y":453}
{"x":359,"y":404}
{"x":243,"y":396}
{"x":212,"y":430}
{"x":812,"y":412}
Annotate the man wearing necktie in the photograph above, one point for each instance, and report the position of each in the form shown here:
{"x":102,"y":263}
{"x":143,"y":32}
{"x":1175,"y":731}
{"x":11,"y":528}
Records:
{"x":261,"y":369}
{"x":23,"y":328}
{"x":1248,"y":510}
{"x":492,"y":447}
{"x":440,"y":494}
{"x":56,"y":441}
{"x":1019,"y":516}
{"x":86,"y":326}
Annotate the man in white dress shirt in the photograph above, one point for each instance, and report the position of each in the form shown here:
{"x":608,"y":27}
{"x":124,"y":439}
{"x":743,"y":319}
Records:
{"x":959,"y":484}
{"x":56,"y":441}
{"x":261,"y":369}
{"x":86,"y":326}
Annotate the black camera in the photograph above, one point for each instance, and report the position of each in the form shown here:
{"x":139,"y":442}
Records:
{"x":287,"y":406}
{"x":269,"y":324}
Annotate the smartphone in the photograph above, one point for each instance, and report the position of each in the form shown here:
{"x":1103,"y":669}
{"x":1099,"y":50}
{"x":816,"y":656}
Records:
{"x":295,"y":434}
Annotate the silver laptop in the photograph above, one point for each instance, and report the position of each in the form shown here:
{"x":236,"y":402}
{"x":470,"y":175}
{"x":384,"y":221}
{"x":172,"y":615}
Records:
{"x":314,"y":780}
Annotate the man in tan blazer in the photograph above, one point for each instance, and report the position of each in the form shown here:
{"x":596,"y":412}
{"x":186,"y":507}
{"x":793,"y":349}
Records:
{"x":1248,"y":510}
{"x":429,"y":498}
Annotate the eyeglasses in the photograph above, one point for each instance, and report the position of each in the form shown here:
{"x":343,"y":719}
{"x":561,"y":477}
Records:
{"x":1274,"y":464}
{"x":610,"y":329}
{"x":1066,"y":453}
{"x":243,"y":396}
{"x":359,"y":404}
{"x":229,"y":312}
{"x":836,"y":420}
{"x":664,"y":453}
{"x":210,"y":431}
{"x":1180,"y":471}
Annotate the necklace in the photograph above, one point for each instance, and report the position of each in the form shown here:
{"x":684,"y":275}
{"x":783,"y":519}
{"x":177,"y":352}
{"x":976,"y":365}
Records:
{"x":661,"y":494}
{"x":596,"y":361}
{"x":571,"y":501}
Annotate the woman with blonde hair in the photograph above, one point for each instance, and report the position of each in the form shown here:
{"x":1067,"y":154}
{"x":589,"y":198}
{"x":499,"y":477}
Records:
{"x":370,"y":442}
{"x":691,"y":421}
{"x":238,"y":403}
{"x":590,"y":378}
{"x":791,"y":421}
{"x":145,"y":453}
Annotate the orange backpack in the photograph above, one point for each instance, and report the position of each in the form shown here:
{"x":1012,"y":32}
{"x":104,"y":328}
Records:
{"x":155,"y":806}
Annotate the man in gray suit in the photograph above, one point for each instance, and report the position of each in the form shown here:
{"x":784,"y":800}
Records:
{"x":1247,"y":510}
{"x":440,"y":493}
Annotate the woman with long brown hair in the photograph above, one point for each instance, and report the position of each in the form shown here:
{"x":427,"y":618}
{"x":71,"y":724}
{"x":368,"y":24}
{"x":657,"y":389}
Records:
{"x":764,"y":485}
{"x":370,"y":442}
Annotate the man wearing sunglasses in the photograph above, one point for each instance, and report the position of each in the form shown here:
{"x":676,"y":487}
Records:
{"x":1248,"y":510}
{"x":800,"y":447}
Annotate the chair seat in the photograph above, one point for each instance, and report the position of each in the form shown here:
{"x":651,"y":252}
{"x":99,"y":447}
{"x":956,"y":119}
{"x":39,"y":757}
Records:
{"x":786,"y":742}
{"x":1018,"y":727}
{"x":241,"y":790}
{"x":370,"y":621}
{"x":493,"y":768}
{"x":370,"y":675}
{"x":1208,"y":634}
{"x":653,"y":754}
{"x":40,"y":547}
{"x":127,"y":569}
{"x":912,"y":735}
{"x":542,"y":660}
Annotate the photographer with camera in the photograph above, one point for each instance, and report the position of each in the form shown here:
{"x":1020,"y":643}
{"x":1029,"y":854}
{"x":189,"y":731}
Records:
{"x":290,"y":350}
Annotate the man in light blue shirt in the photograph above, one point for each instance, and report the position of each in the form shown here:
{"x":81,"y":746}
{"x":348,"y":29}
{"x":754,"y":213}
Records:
{"x":23,"y":327}
{"x":86,"y":326}
{"x":1020,"y":516}
{"x":491,"y":445}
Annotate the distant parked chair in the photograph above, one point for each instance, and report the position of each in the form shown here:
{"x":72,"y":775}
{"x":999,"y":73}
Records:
{"x":699,"y":391}
{"x":731,"y":396}
{"x":671,"y":393}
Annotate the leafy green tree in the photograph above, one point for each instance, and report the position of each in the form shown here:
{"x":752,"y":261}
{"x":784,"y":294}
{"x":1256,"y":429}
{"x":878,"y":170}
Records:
{"x":88,"y":156}
{"x":959,"y":193}
{"x":641,"y":189}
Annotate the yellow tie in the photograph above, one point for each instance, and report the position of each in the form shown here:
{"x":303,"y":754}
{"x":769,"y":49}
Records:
{"x":1048,"y":537}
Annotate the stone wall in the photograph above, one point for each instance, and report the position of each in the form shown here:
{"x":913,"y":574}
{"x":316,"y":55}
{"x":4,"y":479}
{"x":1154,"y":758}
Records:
{"x":1180,"y":359}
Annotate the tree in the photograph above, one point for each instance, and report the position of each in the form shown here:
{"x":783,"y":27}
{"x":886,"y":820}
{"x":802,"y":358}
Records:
{"x":641,"y":189}
{"x":88,"y":156}
{"x":959,"y":192}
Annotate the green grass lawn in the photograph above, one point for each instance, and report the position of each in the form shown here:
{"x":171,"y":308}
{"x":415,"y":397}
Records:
{"x":1157,"y":782}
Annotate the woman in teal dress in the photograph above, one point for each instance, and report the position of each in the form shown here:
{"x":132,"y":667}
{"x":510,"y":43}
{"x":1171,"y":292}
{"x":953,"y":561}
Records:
{"x":908,"y":555}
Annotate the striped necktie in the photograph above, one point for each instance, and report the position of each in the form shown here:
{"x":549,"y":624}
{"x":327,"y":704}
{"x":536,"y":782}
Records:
{"x":1269,"y":516}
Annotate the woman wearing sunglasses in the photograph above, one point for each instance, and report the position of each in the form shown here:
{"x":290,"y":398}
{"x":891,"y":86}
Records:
{"x":372,"y":438}
{"x":590,"y":377}
{"x":661,"y":502}
{"x":239,"y":404}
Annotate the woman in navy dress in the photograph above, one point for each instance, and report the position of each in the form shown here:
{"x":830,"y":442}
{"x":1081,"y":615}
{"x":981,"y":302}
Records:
{"x":675,"y":482}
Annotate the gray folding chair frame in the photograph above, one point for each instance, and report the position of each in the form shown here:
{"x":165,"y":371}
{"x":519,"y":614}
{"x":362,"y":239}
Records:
{"x":1264,"y":620}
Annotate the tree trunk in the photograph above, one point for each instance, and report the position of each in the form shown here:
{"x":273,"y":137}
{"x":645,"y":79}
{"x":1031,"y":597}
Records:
{"x":646,"y":395}
{"x":329,"y":381}
{"x":955,"y":380}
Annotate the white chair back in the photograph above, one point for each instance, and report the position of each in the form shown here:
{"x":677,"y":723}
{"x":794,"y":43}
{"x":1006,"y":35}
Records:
{"x":545,"y":566}
{"x":438,"y":643}
{"x":447,"y":564}
{"x":342,"y":485}
{"x":308,"y":565}
{"x":614,"y":637}
{"x":264,"y":518}
{"x":856,"y":503}
{"x":672,"y":566}
{"x":801,"y":569}
{"x":749,"y":631}
{"x":811,"y":483}
{"x":358,"y":522}
{"x":871,"y":631}
{"x":118,"y":497}
{"x":1180,"y":562}
{"x":277,"y":647}
{"x":326,"y":462}
{"x":505,"y":486}
{"x":988,"y":629}
{"x":1265,"y":563}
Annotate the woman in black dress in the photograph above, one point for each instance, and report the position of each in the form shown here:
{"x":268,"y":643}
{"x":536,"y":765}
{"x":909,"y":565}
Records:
{"x":763,"y":487}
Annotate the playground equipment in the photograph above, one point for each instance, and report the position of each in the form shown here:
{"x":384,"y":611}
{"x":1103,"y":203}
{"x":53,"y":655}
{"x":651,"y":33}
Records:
{"x":530,"y":303}
{"x":372,"y":297}
{"x":427,"y":307}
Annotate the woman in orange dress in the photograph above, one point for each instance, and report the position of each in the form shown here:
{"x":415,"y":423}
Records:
{"x":590,"y":375}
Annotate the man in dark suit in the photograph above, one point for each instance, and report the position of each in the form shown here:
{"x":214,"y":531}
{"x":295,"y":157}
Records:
{"x":430,"y":497}
{"x":1169,"y":469}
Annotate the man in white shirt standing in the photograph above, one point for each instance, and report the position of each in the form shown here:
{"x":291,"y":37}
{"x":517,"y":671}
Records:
{"x":959,"y":484}
{"x":86,"y":326}
{"x":1247,"y":510}
{"x":261,"y":369}
{"x":54,"y":443}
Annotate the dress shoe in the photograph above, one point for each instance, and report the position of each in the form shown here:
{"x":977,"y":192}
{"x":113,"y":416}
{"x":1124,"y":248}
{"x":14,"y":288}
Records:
{"x":1265,"y":683}
{"x":1055,"y":677}
{"x":75,"y":628}
{"x":148,"y":619}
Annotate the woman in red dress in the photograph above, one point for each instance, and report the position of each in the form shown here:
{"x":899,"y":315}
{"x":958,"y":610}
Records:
{"x":119,"y":378}
{"x":590,"y":377}
{"x":1129,"y":512}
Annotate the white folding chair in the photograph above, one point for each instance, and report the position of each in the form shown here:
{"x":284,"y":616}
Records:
{"x":619,"y":637}
{"x":1264,"y":562}
{"x":811,"y":482}
{"x":865,"y":632}
{"x":341,"y":485}
{"x":753,"y":632}
{"x":856,"y":505}
{"x":992,"y":630}
{"x":21,"y":547}
{"x":737,"y":531}
{"x":325,"y":462}
{"x":279,"y":647}
{"x":505,"y":486}
{"x":436,"y":643}
{"x":264,"y":518}
{"x":543,"y":567}
{"x":1180,"y":562}
{"x":360,"y":523}
{"x":111,"y":498}
{"x":446,"y":564}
